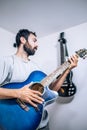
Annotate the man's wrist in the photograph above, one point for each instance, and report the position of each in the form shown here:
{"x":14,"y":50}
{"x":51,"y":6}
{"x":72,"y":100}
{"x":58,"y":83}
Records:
{"x":69,"y":68}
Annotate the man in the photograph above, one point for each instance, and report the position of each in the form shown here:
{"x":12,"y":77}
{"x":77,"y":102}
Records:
{"x":16,"y":68}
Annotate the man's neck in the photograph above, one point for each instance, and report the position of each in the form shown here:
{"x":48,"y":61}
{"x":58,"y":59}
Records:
{"x":22,"y":54}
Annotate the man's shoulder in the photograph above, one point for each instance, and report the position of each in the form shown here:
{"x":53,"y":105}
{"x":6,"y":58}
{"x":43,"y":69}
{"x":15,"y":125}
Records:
{"x":6,"y":59}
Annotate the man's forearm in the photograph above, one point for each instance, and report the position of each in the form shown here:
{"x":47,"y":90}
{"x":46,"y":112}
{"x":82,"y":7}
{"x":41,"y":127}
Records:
{"x":58,"y":82}
{"x":8,"y":93}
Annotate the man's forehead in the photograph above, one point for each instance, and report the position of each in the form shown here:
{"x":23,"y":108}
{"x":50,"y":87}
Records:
{"x":32,"y":36}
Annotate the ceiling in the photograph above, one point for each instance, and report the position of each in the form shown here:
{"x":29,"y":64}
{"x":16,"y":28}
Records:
{"x":42,"y":16}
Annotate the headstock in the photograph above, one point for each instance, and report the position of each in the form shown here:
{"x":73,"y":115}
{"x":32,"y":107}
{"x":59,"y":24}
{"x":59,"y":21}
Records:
{"x":82,"y":53}
{"x":62,"y":39}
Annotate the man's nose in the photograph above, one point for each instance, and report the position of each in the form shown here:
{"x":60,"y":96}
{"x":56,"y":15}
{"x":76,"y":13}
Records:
{"x":36,"y":44}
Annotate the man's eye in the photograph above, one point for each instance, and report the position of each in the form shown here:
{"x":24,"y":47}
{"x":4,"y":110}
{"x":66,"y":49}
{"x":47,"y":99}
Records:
{"x":35,"y":40}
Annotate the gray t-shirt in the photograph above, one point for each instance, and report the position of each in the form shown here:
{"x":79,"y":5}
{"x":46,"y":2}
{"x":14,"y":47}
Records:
{"x":15,"y":69}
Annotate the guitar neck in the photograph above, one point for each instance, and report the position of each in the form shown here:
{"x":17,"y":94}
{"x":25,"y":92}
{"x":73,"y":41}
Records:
{"x":62,"y":53}
{"x":50,"y":78}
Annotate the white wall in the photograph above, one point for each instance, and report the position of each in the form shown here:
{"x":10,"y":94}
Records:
{"x":6,"y":42}
{"x":63,"y":116}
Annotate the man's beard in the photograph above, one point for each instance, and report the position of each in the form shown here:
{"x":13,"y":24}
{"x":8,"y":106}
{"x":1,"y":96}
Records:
{"x":29,"y":51}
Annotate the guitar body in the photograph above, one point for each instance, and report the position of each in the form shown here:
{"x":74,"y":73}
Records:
{"x":68,"y":89}
{"x":13,"y":117}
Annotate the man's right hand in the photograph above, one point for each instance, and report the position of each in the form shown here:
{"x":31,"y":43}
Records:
{"x":30,"y":96}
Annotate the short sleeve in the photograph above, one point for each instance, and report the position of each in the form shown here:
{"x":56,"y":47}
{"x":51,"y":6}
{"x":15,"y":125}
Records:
{"x":5,"y":69}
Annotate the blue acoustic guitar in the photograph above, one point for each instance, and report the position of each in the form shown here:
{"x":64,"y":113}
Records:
{"x":17,"y":115}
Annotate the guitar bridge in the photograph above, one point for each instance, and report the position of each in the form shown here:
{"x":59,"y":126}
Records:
{"x":22,"y":105}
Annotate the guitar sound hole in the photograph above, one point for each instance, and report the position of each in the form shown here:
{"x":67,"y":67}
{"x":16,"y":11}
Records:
{"x":38,"y":87}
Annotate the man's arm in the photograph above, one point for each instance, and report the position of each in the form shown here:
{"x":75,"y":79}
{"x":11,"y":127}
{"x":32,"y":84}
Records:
{"x":25,"y":94}
{"x":56,"y":85}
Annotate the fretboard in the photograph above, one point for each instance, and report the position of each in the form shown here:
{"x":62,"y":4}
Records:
{"x":50,"y":78}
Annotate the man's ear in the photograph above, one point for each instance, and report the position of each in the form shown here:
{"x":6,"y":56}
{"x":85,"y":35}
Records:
{"x":23,"y":40}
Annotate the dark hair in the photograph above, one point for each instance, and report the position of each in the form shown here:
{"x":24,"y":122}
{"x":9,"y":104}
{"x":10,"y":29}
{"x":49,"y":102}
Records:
{"x":22,"y":33}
